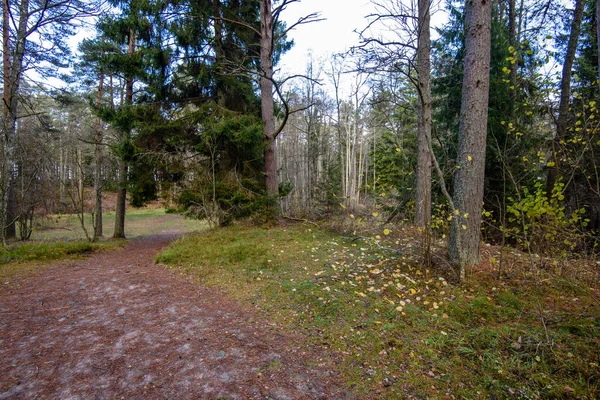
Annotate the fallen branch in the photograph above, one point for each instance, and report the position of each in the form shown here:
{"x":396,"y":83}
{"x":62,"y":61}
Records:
{"x":301,"y":220}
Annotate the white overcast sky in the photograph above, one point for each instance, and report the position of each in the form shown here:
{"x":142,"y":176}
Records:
{"x":334,"y":35}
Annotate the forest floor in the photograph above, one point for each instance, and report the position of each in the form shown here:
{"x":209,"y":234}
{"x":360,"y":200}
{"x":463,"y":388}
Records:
{"x":115,"y":325}
{"x":291,"y":311}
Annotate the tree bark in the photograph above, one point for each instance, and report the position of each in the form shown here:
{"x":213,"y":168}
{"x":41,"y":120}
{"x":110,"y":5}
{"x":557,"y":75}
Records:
{"x":98,"y":155}
{"x":121,"y":202}
{"x":267,"y":107}
{"x":598,"y":39}
{"x":512,"y":41}
{"x":463,"y":246}
{"x":9,"y":134}
{"x":423,"y":189}
{"x":119,"y":232}
{"x":6,"y":56}
{"x":565,"y":95}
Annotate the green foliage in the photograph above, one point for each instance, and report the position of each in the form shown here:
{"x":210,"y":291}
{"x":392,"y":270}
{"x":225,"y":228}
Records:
{"x":541,"y":224}
{"x":395,"y":140}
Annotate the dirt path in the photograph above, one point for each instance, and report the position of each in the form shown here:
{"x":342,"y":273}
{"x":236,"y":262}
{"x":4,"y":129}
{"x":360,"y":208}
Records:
{"x":117,"y":326}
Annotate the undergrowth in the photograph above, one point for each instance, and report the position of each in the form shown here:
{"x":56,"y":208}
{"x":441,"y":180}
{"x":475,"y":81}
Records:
{"x":401,"y":330}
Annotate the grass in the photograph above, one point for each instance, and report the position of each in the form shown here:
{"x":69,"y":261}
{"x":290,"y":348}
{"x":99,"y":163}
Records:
{"x":139,"y":222}
{"x":61,"y":237}
{"x":400,"y":330}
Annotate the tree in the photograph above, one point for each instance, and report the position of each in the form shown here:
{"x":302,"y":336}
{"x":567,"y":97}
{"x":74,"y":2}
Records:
{"x":565,"y":94}
{"x":272,"y":38}
{"x":463,"y":247}
{"x":423,"y":183}
{"x":50,"y":22}
{"x":267,"y":39}
{"x":410,"y":50}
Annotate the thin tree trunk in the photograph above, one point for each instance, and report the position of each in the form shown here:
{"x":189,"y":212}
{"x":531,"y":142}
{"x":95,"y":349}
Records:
{"x":6,"y":56}
{"x":119,"y":232}
{"x":565,"y":95}
{"x":99,"y":164}
{"x":423,"y":189}
{"x":463,"y":247}
{"x":9,"y":137}
{"x":512,"y":41}
{"x":598,"y":38}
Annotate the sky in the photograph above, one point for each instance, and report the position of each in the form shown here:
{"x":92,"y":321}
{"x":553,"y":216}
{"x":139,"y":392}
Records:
{"x":335,"y":34}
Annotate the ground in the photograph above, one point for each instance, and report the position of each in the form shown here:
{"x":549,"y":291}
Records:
{"x":115,"y":325}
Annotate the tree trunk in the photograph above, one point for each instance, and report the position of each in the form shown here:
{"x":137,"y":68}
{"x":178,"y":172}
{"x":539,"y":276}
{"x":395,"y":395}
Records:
{"x":121,"y":202}
{"x":219,"y":56}
{"x":423,"y":189}
{"x":463,"y":247}
{"x":9,"y":137}
{"x":267,"y":108}
{"x":598,"y":38}
{"x":565,"y":95}
{"x":512,"y":41}
{"x":99,"y":163}
{"x":119,"y":232}
{"x":10,"y":230}
{"x":6,"y":56}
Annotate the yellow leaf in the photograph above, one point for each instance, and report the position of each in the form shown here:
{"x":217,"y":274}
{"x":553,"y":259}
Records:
{"x":469,"y":158}
{"x":456,"y":212}
{"x":551,"y":164}
{"x":464,"y":227}
{"x":436,"y":306}
{"x":399,"y":308}
{"x":398,"y":149}
{"x":412,"y":291}
{"x":319,"y":273}
{"x":361,"y":294}
{"x":466,"y":215}
{"x":386,"y":232}
{"x":443,"y":333}
{"x":352,"y":216}
{"x":375,"y":214}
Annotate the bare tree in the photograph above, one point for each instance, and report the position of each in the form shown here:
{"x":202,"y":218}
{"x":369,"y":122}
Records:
{"x":269,"y":36}
{"x":49,"y":22}
{"x":408,"y":50}
{"x":423,"y":184}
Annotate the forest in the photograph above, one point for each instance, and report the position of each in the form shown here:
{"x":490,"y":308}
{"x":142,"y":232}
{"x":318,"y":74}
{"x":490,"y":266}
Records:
{"x":476,"y":133}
